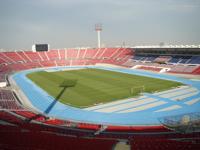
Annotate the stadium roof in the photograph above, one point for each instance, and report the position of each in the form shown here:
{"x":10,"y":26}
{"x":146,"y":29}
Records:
{"x":167,"y":46}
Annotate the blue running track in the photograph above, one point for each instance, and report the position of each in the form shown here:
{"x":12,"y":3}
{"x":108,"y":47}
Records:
{"x":42,"y":101}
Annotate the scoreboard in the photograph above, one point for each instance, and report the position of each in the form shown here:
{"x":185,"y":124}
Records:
{"x":40,"y":47}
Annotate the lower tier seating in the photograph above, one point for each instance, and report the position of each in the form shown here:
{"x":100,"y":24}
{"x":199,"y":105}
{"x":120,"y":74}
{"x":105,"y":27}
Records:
{"x":31,"y":140}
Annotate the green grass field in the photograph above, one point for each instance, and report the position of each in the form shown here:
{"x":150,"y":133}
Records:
{"x":93,"y":86}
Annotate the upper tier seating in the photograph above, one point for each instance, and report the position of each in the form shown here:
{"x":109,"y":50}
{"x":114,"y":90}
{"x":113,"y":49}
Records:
{"x":162,"y":59}
{"x":53,"y":55}
{"x":139,"y":58}
{"x":151,"y":58}
{"x":185,"y":59}
{"x":194,"y":60}
{"x":32,"y":56}
{"x":13,"y":56}
{"x":176,"y":64}
{"x":168,"y":59}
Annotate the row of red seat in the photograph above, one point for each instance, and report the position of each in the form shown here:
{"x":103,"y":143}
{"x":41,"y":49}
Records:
{"x":70,"y":54}
{"x":6,"y":95}
{"x":8,"y":100}
{"x":196,"y":71}
{"x":137,"y":129}
{"x":31,"y":140}
{"x":173,"y":68}
{"x":31,"y":116}
{"x":9,"y":118}
{"x":137,"y":139}
{"x":143,"y":143}
{"x":15,"y":61}
{"x":151,"y":68}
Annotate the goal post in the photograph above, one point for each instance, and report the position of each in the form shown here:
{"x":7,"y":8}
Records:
{"x":137,"y":90}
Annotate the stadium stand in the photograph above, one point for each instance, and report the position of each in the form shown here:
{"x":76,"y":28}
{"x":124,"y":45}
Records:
{"x":25,"y":140}
{"x":150,"y":68}
{"x":2,"y":77}
{"x":161,"y":144}
{"x":8,"y":101}
{"x":161,"y":59}
{"x":27,"y":60}
{"x":118,"y":56}
{"x":196,"y":71}
{"x":178,"y":60}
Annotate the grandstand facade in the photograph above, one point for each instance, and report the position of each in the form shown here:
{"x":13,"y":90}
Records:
{"x":174,"y":59}
{"x":24,"y":127}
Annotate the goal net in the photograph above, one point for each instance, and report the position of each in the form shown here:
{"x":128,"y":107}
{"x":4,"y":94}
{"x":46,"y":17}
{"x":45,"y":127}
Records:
{"x":137,"y":90}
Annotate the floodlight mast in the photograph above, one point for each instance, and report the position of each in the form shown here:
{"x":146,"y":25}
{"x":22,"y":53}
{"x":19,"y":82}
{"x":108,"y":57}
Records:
{"x":98,"y":29}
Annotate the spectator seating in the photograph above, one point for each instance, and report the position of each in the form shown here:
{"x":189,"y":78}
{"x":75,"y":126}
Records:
{"x":151,"y":58}
{"x":23,"y":56}
{"x":53,"y":55}
{"x":196,"y":71}
{"x":176,"y":64}
{"x":8,"y":101}
{"x":194,"y":60}
{"x":33,"y":56}
{"x":182,"y":69}
{"x":9,"y":118}
{"x":58,"y":57}
{"x":30,"y":128}
{"x":47,"y":141}
{"x":151,"y":68}
{"x":13,"y":56}
{"x":149,"y":142}
{"x":43,"y":56}
{"x":162,"y":59}
{"x":2,"y":77}
{"x":31,"y":115}
{"x":10,"y":105}
{"x":26,"y":59}
{"x":6,"y":95}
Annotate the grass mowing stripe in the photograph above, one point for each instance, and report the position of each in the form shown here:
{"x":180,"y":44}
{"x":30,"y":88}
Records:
{"x":86,"y":84}
{"x":103,"y":86}
{"x":96,"y":85}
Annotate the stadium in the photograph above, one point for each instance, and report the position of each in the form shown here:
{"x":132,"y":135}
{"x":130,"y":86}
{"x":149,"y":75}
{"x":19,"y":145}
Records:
{"x":100,"y":98}
{"x":137,"y":88}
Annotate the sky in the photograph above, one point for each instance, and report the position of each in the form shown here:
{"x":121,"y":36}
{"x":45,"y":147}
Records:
{"x":70,"y":23}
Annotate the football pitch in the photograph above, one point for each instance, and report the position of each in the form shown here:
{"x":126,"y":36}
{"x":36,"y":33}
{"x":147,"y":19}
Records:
{"x":87,"y":87}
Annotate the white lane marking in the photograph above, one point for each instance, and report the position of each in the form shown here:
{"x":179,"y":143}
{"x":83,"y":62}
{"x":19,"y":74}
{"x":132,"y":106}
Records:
{"x":140,"y":108}
{"x":193,"y":101}
{"x":127,"y":105}
{"x":169,"y":108}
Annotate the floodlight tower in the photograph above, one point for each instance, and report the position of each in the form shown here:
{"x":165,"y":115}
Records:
{"x":98,"y":29}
